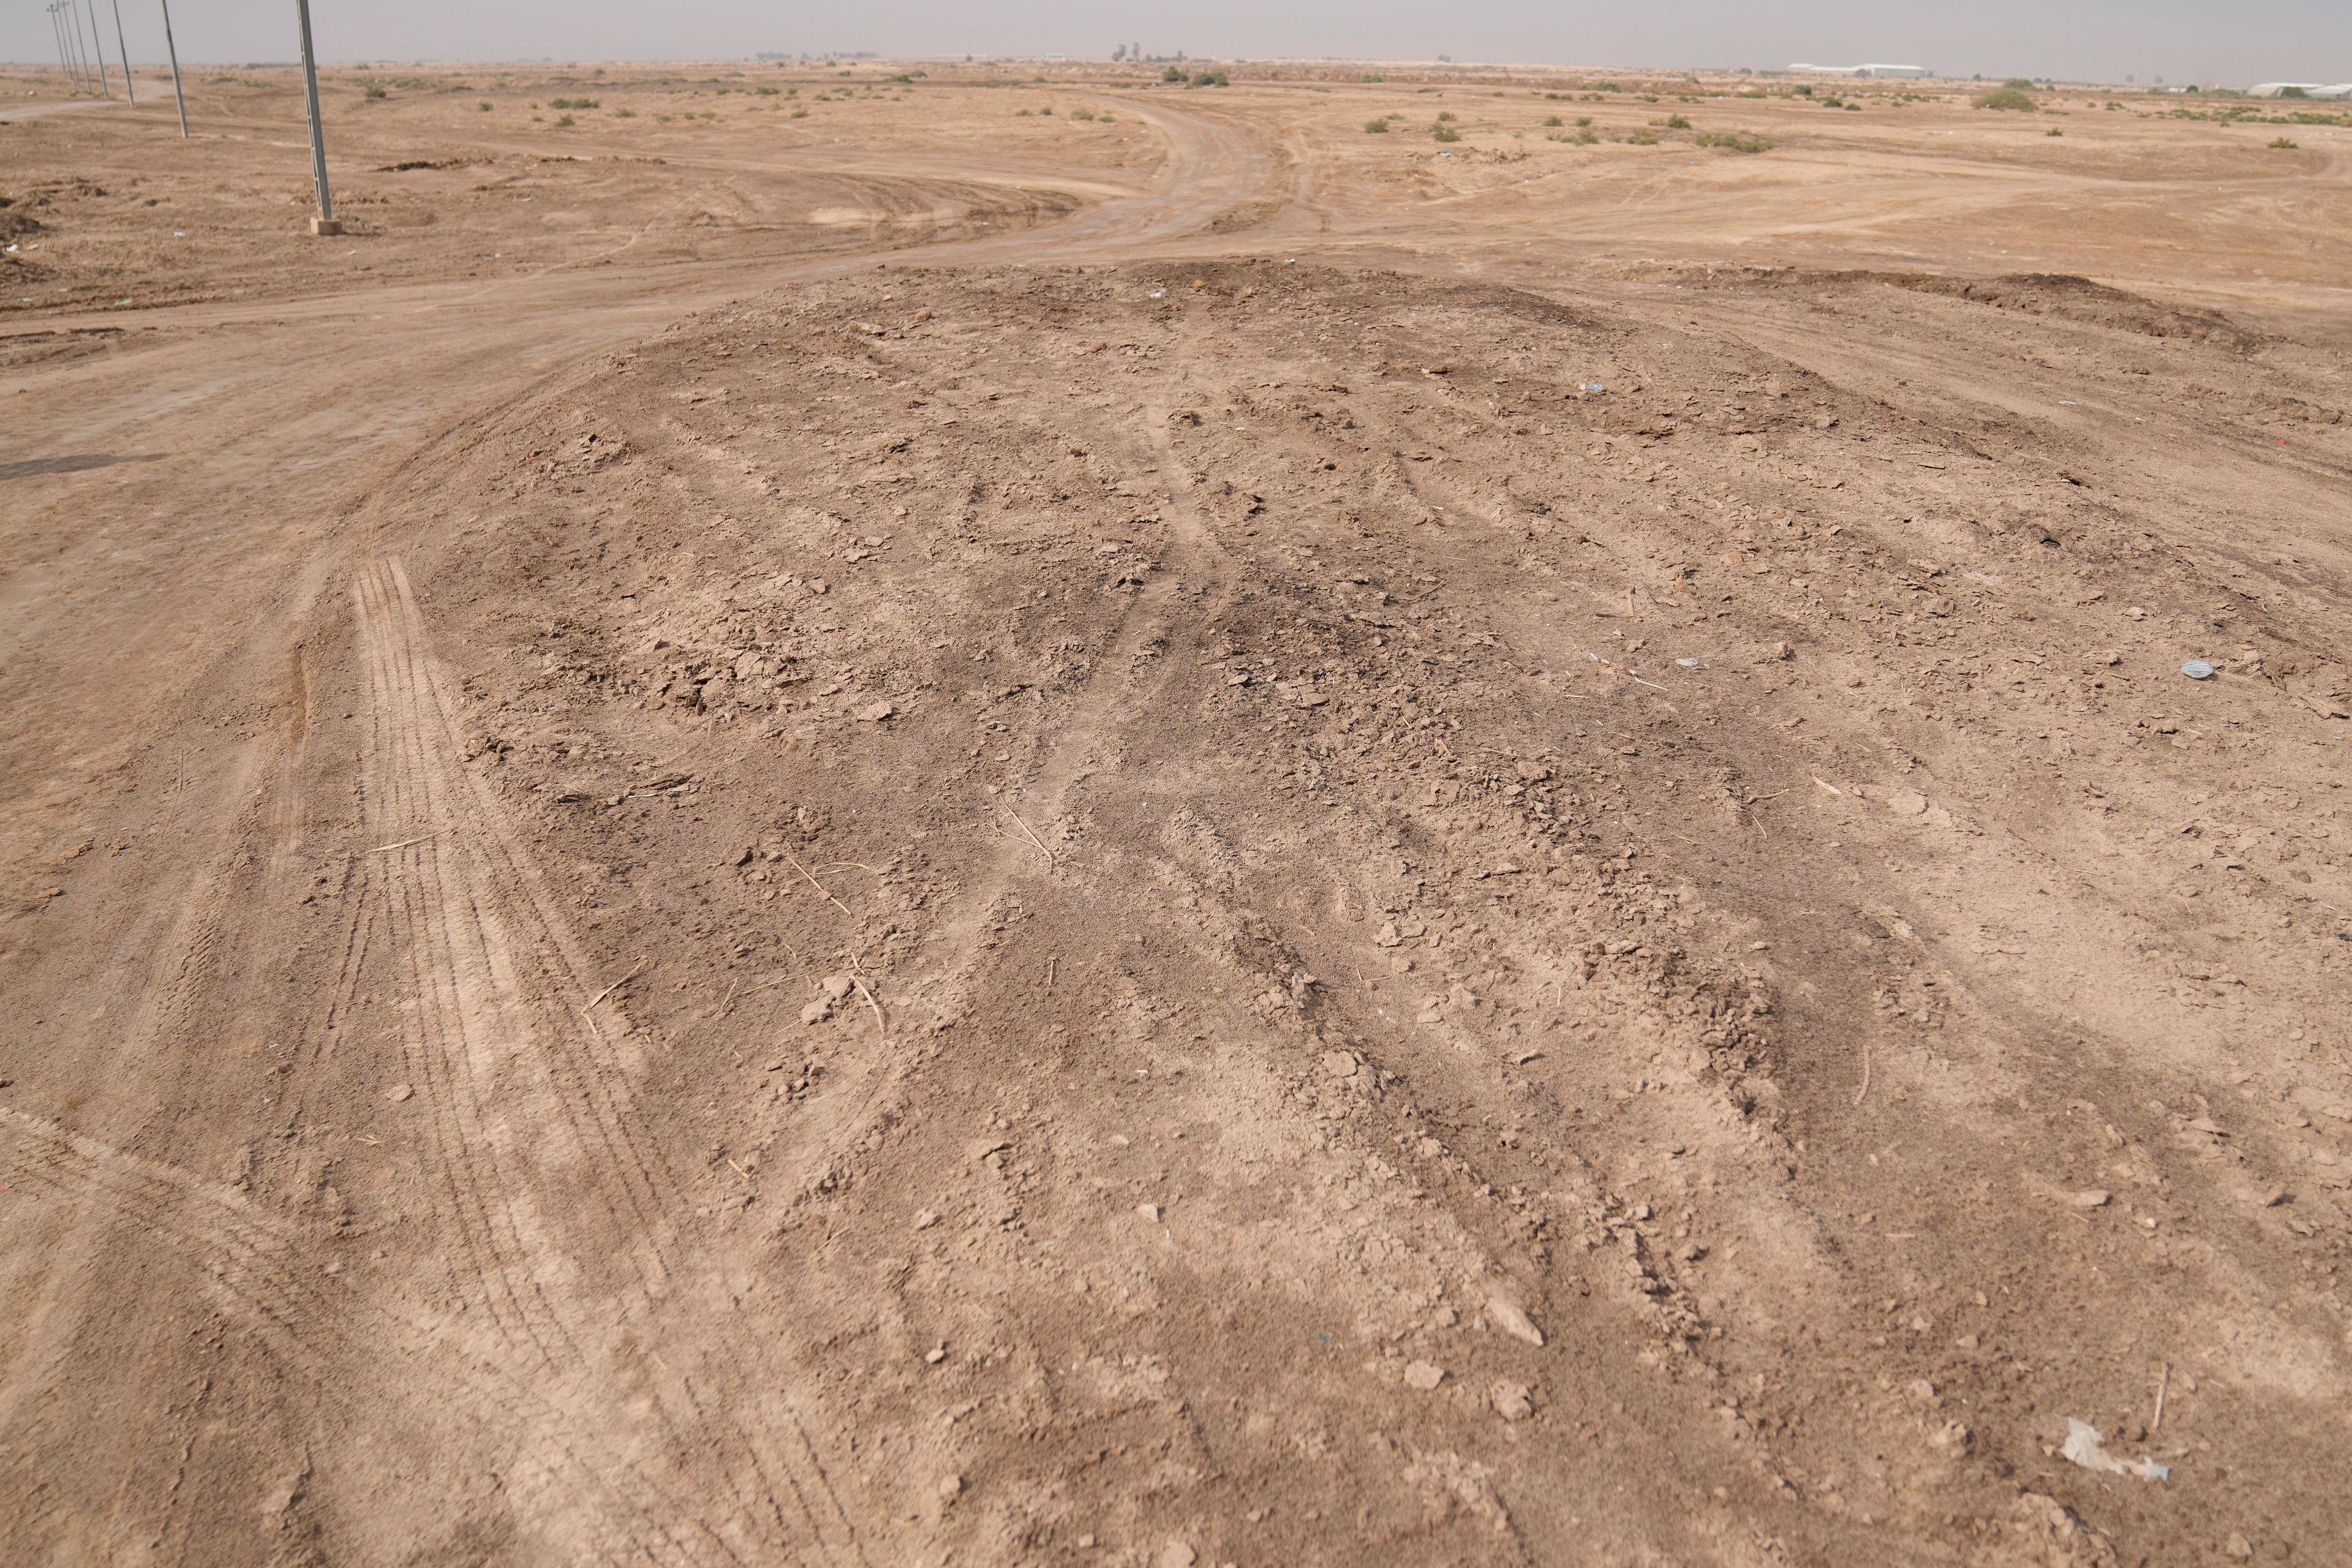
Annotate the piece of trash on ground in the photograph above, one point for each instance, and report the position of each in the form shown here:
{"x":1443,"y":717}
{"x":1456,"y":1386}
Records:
{"x":1687,"y":663}
{"x":2198,"y":670}
{"x":2088,"y":1449}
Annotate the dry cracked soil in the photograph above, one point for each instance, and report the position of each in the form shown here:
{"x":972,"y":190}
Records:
{"x":859,"y":827}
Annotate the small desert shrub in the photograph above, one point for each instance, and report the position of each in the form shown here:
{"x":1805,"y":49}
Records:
{"x":1552,"y":119}
{"x":2022,"y":83}
{"x":564,"y":122}
{"x":576,"y":102}
{"x":1585,"y":138}
{"x":1082,"y":114}
{"x":1734,"y":140}
{"x":625,"y":113}
{"x":375,"y":91}
{"x":797,"y":114}
{"x":1646,"y":137}
{"x":1445,"y":116}
{"x":2053,"y":130}
{"x":1584,"y":119}
{"x":1676,"y":123}
{"x":1446,"y":134}
{"x":2282,"y":144}
{"x":1207,"y":78}
{"x":1376,"y":127}
{"x":1370,"y":76}
{"x":2006,"y":98}
{"x":483,"y":107}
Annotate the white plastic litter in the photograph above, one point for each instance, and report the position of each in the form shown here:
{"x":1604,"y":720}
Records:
{"x":2198,"y":670}
{"x":1687,"y":663}
{"x":2088,"y":1449}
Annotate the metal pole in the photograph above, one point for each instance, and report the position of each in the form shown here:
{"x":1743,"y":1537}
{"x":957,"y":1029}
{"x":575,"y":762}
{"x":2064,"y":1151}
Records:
{"x":73,"y":55}
{"x":98,"y":48}
{"x":174,"y":50}
{"x":325,"y":222}
{"x":73,"y":33}
{"x":124,"y":50}
{"x":58,"y":33}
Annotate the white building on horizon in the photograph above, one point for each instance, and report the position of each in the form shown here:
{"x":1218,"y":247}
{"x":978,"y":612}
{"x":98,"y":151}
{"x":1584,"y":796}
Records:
{"x":2307,"y":88}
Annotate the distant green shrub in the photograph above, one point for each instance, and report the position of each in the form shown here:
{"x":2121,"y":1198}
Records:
{"x":1676,"y":123}
{"x":1732,"y":141}
{"x":2008,"y":98}
{"x":1444,"y":133}
{"x":1376,"y":127}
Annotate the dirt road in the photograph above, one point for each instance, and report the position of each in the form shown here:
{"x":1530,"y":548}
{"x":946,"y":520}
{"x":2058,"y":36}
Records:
{"x":1139,"y":850}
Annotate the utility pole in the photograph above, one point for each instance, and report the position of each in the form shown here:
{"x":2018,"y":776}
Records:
{"x":72,"y":19}
{"x":325,"y":222}
{"x":173,"y":49}
{"x":124,"y":50}
{"x":98,"y":47}
{"x":65,"y":41}
{"x":59,"y":35}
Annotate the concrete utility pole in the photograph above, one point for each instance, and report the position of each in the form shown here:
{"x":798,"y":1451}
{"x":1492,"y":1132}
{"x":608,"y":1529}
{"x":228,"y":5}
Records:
{"x":65,"y":47}
{"x":98,"y":47}
{"x":59,"y":33}
{"x":124,"y":50}
{"x":175,"y":52}
{"x":325,"y":222}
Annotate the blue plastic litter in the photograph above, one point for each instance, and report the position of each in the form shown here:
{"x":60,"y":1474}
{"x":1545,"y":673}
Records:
{"x":2198,"y":670}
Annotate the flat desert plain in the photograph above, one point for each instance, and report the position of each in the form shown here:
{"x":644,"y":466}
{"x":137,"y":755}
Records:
{"x":1021,"y":816}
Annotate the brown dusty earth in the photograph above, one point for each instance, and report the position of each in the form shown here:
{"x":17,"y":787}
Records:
{"x":918,"y":833}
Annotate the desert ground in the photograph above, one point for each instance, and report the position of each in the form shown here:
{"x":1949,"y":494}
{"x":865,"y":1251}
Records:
{"x":810,"y":818}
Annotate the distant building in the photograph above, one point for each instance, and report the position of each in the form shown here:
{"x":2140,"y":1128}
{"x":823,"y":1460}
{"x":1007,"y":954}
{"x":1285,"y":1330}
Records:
{"x":2300,"y":90}
{"x":1868,"y":70}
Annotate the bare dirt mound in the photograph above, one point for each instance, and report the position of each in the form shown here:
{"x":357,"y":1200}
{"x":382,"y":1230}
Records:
{"x":1238,"y":913}
{"x":1303,"y":916}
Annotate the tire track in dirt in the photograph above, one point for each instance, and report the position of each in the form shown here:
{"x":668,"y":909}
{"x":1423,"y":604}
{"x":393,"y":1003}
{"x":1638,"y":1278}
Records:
{"x":500,"y":1005}
{"x":260,"y":1268}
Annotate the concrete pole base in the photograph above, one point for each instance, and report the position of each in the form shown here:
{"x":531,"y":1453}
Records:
{"x":326,"y":226}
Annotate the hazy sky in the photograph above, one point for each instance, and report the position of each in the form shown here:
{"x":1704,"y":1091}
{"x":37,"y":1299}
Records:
{"x":2180,"y":40}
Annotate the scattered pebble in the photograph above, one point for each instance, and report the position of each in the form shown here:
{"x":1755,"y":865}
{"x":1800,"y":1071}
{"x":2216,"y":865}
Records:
{"x":1421,"y":1374}
{"x":398,"y":1092}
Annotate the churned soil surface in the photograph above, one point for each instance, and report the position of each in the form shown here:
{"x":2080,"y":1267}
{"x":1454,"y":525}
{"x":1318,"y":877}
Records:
{"x":1212,"y":871}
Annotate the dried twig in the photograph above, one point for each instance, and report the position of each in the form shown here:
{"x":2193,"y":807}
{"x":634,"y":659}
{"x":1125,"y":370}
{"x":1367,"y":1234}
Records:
{"x":1865,"y":1075}
{"x":2163,"y":1382}
{"x":388,"y":848}
{"x":819,"y":887}
{"x":1024,"y":827}
{"x":617,"y":984}
{"x":1826,"y":784}
{"x":880,"y":1021}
